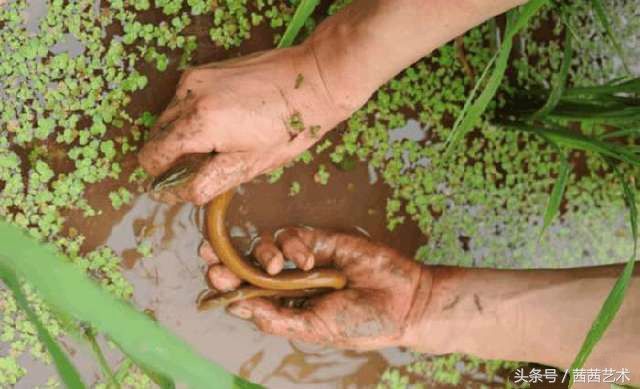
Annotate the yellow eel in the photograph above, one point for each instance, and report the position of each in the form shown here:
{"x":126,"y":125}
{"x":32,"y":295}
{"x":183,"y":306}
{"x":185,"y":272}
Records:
{"x":288,"y":283}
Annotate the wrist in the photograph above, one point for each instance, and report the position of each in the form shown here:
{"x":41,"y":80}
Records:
{"x":347,"y":88}
{"x":456,"y":316}
{"x":413,"y":334}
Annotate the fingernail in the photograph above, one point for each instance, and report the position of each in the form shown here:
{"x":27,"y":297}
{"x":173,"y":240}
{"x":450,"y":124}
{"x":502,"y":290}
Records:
{"x":240,"y":311}
{"x":272,"y":265}
{"x":308,"y":262}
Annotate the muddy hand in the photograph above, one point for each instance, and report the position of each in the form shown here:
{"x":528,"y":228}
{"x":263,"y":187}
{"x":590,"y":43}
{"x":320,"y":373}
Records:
{"x":374,"y":310}
{"x":246,"y":116}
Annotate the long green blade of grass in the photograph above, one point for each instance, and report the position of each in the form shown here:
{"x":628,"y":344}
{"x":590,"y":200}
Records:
{"x":558,"y":84}
{"x":66,"y":370}
{"x":618,"y":133}
{"x":67,"y":289}
{"x":614,"y":299}
{"x":516,"y":21}
{"x":90,"y":336}
{"x":605,"y":21}
{"x":612,"y":88}
{"x":630,"y":199}
{"x":474,"y":91}
{"x":303,"y":12}
{"x":607,"y":113}
{"x":571,"y":139}
{"x":555,"y":199}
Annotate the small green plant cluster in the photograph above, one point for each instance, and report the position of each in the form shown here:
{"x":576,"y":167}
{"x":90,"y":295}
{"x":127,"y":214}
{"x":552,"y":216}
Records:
{"x":234,"y":19}
{"x":65,"y":84}
{"x":64,"y":89}
{"x":449,"y":370}
{"x":491,"y":189}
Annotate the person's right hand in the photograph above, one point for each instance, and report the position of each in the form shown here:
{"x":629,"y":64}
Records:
{"x":385,"y":293}
{"x":256,"y":113}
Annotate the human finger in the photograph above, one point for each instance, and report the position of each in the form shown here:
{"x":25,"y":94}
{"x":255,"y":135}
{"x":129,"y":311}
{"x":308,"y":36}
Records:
{"x":298,"y":324}
{"x":186,"y":135}
{"x":318,"y":243}
{"x":205,"y":251}
{"x":216,"y":175}
{"x":223,"y":279}
{"x":268,"y":254}
{"x":170,"y":114}
{"x":295,"y":249}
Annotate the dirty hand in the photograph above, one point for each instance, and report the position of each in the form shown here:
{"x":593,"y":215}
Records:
{"x":256,"y":113}
{"x":374,"y":311}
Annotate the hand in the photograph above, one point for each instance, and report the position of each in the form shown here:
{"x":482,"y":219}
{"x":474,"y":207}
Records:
{"x":376,"y":309}
{"x":256,"y":113}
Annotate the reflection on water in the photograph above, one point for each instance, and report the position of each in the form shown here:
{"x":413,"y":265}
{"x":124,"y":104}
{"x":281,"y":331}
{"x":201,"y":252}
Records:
{"x":169,"y":282}
{"x":70,"y":45}
{"x":32,"y":15}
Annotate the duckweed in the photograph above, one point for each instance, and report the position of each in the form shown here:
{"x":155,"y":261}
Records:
{"x":65,"y":85}
{"x":494,"y":190}
{"x":294,"y":189}
{"x":322,"y":175}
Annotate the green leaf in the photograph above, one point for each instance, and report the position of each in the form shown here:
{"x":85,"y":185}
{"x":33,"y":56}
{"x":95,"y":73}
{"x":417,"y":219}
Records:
{"x":67,"y":289}
{"x":555,"y":199}
{"x":102,"y":361}
{"x":559,"y":82}
{"x":516,"y":21}
{"x":605,"y":316}
{"x":66,"y":370}
{"x":605,"y":21}
{"x":630,"y":199}
{"x":303,"y":12}
{"x":568,"y":138}
{"x":623,"y":132}
{"x":616,"y":296}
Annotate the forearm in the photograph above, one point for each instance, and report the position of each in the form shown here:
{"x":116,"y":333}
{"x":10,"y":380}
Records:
{"x":527,"y":315}
{"x":370,"y":41}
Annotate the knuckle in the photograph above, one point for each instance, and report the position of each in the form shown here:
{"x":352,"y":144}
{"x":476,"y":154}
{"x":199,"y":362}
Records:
{"x":188,"y":75}
{"x":198,"y":198}
{"x":203,"y":104}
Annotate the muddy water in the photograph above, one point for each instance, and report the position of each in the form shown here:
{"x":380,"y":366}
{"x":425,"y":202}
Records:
{"x":167,"y":283}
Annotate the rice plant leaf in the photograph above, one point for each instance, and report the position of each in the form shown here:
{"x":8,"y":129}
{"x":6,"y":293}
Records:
{"x":476,"y":109}
{"x":303,"y":12}
{"x":516,"y":21}
{"x":605,"y":316}
{"x":567,"y":138}
{"x":555,"y":199}
{"x":90,"y":337}
{"x":67,"y":371}
{"x":616,"y":296}
{"x":61,"y":285}
{"x":630,"y":199}
{"x":474,"y":91}
{"x":559,"y":82}
{"x":605,"y":21}
{"x":611,"y":88}
{"x":623,"y":132}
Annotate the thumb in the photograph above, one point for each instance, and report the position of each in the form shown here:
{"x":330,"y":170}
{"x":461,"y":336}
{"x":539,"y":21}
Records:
{"x":292,"y":323}
{"x":215,"y":175}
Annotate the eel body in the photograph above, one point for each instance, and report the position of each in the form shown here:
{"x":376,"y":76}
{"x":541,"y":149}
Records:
{"x":288,"y":283}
